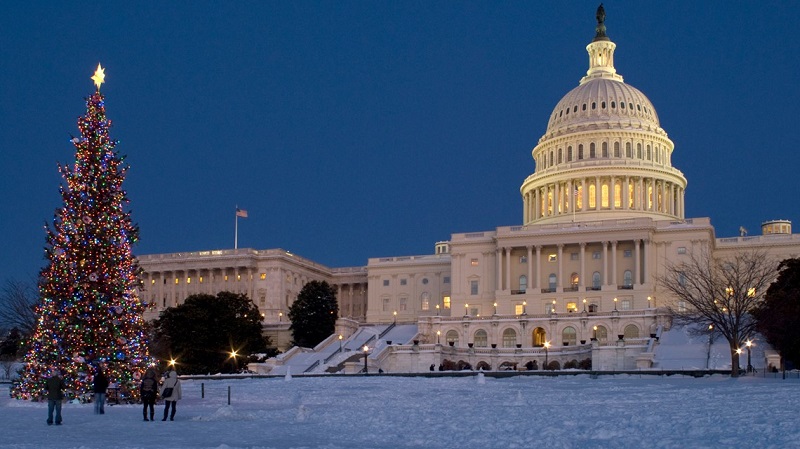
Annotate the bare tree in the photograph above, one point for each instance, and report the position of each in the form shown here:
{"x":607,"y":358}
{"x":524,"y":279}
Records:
{"x":17,"y":306}
{"x":719,"y":293}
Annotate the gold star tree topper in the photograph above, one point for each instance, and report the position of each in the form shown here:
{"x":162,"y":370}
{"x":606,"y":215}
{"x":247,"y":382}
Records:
{"x":99,"y":76}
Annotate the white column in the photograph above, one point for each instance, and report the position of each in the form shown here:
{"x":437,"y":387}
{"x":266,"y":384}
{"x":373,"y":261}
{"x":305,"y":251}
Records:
{"x":499,"y":263}
{"x":636,"y":264}
{"x":614,"y":263}
{"x":612,"y":193}
{"x":605,"y":263}
{"x":560,"y":267}
{"x":556,"y":199}
{"x":531,"y":282}
{"x":626,"y":193}
{"x":508,"y":268}
{"x":581,"y":280}
{"x":538,"y":266}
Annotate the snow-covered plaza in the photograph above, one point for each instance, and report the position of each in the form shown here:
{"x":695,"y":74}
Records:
{"x":448,"y":412}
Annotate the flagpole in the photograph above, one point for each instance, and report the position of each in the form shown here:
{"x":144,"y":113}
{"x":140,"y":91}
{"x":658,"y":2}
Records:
{"x":236,"y":229}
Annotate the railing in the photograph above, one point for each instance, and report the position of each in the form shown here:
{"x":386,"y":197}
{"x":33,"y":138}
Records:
{"x":517,"y":292}
{"x":387,"y":330}
{"x":592,"y":289}
{"x":311,"y":368}
{"x":624,"y":287}
{"x":548,"y":290}
{"x":571,"y":289}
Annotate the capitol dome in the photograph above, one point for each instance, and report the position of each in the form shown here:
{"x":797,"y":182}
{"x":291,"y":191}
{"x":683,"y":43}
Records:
{"x":604,"y":154}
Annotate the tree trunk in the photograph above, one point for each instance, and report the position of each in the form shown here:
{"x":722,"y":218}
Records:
{"x":734,"y":362}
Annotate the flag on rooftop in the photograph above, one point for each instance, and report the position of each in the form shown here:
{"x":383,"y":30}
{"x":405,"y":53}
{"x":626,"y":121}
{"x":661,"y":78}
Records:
{"x":241,"y":213}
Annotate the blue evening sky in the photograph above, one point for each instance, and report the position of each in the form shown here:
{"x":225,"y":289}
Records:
{"x":357,"y":129}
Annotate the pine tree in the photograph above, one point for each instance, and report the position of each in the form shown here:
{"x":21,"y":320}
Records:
{"x":89,"y":312}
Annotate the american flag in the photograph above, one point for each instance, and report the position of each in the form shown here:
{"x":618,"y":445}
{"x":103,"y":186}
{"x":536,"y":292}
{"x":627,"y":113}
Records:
{"x":241,"y":213}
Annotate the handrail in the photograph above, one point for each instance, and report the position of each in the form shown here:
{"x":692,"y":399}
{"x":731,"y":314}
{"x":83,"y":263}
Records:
{"x":387,"y":330}
{"x":313,"y":365}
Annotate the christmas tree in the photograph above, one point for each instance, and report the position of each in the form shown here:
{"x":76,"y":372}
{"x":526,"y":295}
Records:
{"x":89,"y":313}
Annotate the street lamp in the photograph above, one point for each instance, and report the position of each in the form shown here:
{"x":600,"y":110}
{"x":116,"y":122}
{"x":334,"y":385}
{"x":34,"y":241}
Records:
{"x":366,"y":348}
{"x":584,"y":304}
{"x":594,"y":332}
{"x":749,"y":343}
{"x":233,"y":356}
{"x":495,"y":308}
{"x":341,"y":337}
{"x":280,"y":316}
{"x":437,"y":309}
{"x":466,"y":309}
{"x":648,"y":302}
{"x":546,"y":348}
{"x":395,"y":316}
{"x":438,"y":337}
{"x":554,"y":306}
{"x":524,"y":307}
{"x":615,"y":303}
{"x":172,"y":362}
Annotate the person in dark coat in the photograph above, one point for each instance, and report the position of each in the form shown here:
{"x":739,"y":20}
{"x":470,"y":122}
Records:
{"x":148,"y":389}
{"x":100,"y":386}
{"x":54,"y":386}
{"x":174,"y":385}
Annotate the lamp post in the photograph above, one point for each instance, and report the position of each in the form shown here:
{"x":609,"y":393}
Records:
{"x":584,"y":304}
{"x":366,"y":348}
{"x":649,"y":299}
{"x":341,"y":337}
{"x":437,"y":309}
{"x":280,"y":316}
{"x":615,"y":303}
{"x":524,"y":307}
{"x":466,"y":309}
{"x":546,"y":348}
{"x":495,"y":308}
{"x":594,"y":332}
{"x":554,"y":306}
{"x":395,"y":317}
{"x":438,"y":337}
{"x":749,"y":343}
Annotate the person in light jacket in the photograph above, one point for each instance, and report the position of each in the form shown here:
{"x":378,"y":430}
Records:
{"x":170,"y":399}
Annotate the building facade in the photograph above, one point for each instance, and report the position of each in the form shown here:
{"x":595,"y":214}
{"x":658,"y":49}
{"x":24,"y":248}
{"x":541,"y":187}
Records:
{"x":602,"y":219}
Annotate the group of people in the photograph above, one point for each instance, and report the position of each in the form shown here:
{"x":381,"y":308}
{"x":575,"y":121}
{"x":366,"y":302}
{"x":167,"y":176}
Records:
{"x":169,"y":391}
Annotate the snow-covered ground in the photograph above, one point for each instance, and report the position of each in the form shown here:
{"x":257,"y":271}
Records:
{"x":450,"y":412}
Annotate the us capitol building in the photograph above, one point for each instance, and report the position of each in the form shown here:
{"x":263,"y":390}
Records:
{"x":603,"y":216}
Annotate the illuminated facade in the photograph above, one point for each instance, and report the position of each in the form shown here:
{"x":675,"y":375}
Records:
{"x":603,"y":216}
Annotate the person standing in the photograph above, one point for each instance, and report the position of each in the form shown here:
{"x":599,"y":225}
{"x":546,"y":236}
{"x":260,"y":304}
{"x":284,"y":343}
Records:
{"x":171,"y":393}
{"x":54,"y":385}
{"x":147,"y":389}
{"x":100,"y":387}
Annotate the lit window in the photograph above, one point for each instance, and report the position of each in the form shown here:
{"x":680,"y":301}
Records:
{"x":552,"y":257}
{"x":152,"y":281}
{"x":200,"y":279}
{"x":262,"y":276}
{"x":519,"y":309}
{"x":572,"y":307}
{"x":188,"y":280}
{"x":574,"y":280}
{"x":226,"y":278}
{"x":238,"y":277}
{"x":177,"y":281}
{"x":474,"y":262}
{"x":446,"y":302}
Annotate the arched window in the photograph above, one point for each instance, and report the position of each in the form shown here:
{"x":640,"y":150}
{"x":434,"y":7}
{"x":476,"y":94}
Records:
{"x":604,"y":195}
{"x":579,"y":198}
{"x":628,"y":152}
{"x":523,"y":283}
{"x":425,"y":301}
{"x":551,"y":160}
{"x":649,"y":155}
{"x":604,"y":149}
{"x":592,"y":151}
{"x":638,"y":151}
{"x":569,"y":153}
{"x":616,"y":149}
{"x":481,"y":340}
{"x":593,"y":308}
{"x":580,"y":151}
{"x":618,"y":194}
{"x":451,"y":337}
{"x":539,"y":337}
{"x":509,"y":338}
{"x":552,"y":280}
{"x":631,"y":331}
{"x":574,"y":280}
{"x":596,"y":280}
{"x":592,"y":196}
{"x":560,"y":155}
{"x":601,"y":334}
{"x":569,"y":336}
{"x":628,"y":279}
